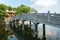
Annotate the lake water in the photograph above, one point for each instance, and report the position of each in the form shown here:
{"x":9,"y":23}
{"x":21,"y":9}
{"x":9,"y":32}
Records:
{"x":13,"y":38}
{"x":52,"y":33}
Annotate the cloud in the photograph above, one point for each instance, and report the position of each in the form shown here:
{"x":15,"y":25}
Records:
{"x":44,"y":3}
{"x":49,"y":34}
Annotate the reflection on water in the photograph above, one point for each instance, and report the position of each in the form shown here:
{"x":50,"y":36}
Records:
{"x":6,"y":34}
{"x":11,"y":35}
{"x":13,"y":38}
{"x":52,"y":32}
{"x":3,"y":33}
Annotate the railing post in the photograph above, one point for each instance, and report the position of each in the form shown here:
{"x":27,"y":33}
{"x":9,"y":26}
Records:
{"x":44,"y":35}
{"x":48,"y":16}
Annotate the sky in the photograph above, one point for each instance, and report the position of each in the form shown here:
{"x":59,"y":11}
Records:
{"x":39,"y":5}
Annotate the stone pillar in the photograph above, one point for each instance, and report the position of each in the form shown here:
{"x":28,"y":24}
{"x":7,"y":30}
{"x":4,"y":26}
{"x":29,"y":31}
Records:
{"x":16,"y":26}
{"x":36,"y":31}
{"x":16,"y":23}
{"x":48,"y":16}
{"x":55,"y":13}
{"x":23,"y":32}
{"x":30,"y":26}
{"x":30,"y":29}
{"x":12,"y":24}
{"x":23,"y":25}
{"x":55,"y":17}
{"x":44,"y":35}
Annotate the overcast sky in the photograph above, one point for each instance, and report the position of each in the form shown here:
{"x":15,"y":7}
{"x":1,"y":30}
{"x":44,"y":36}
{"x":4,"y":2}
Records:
{"x":39,"y":5}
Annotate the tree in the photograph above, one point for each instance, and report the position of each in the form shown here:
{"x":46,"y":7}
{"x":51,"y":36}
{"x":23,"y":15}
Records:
{"x":23,"y":9}
{"x":10,"y":8}
{"x":14,"y":9}
{"x":2,"y":11}
{"x":3,"y":7}
{"x":3,"y":33}
{"x":33,"y":10}
{"x":2,"y":14}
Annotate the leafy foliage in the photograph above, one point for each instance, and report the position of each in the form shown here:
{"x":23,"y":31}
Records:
{"x":3,"y":7}
{"x":24,"y":9}
{"x":3,"y":33}
{"x":19,"y":10}
{"x":10,"y":8}
{"x":2,"y":11}
{"x":2,"y":14}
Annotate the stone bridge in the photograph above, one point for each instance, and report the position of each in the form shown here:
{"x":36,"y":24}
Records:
{"x":52,"y":19}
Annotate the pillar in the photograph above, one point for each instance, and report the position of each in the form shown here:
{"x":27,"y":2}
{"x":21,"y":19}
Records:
{"x":30,"y":29}
{"x":13,"y":24}
{"x":23,"y":25}
{"x":10,"y":24}
{"x":36,"y":31}
{"x":16,"y":23}
{"x":55,"y":17}
{"x":23,"y":32}
{"x":48,"y":16}
{"x":16,"y":26}
{"x":44,"y":35}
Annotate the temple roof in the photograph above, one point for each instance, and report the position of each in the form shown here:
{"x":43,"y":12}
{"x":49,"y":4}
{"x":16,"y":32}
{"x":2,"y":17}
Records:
{"x":10,"y":11}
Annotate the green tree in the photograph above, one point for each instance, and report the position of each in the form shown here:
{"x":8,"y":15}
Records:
{"x":3,"y":7}
{"x":10,"y":8}
{"x":2,"y":14}
{"x":3,"y":33}
{"x":24,"y":9}
{"x":14,"y":9}
{"x":33,"y":10}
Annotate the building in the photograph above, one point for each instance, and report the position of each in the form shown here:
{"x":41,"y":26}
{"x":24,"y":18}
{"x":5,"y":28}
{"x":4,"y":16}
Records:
{"x":10,"y":14}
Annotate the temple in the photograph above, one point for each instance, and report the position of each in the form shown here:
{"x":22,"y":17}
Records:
{"x":10,"y":14}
